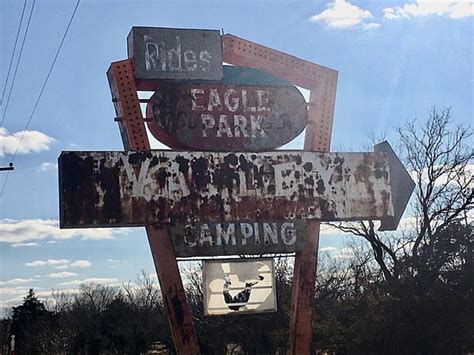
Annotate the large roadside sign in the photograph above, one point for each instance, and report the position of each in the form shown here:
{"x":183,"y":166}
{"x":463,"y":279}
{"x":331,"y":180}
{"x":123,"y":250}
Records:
{"x":230,"y":193}
{"x":106,"y":189}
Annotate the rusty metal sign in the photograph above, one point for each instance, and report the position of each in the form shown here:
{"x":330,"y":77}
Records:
{"x":229,"y":116}
{"x":107,"y":189}
{"x":239,"y":286}
{"x":237,"y":238}
{"x":171,"y":53}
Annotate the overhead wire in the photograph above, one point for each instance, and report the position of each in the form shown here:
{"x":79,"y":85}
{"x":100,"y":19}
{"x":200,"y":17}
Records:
{"x":41,"y":92}
{"x":18,"y":63}
{"x":13,"y":53}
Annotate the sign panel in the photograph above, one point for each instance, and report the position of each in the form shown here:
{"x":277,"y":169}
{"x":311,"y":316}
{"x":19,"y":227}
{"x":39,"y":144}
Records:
{"x":106,"y":189}
{"x":239,"y":286}
{"x":171,"y":53}
{"x":229,"y":116}
{"x":237,"y":238}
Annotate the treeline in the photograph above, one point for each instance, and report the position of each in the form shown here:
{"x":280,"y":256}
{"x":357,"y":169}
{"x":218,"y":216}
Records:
{"x":429,"y":310}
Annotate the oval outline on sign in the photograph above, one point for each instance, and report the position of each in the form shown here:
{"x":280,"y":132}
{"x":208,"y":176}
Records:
{"x":232,"y":115}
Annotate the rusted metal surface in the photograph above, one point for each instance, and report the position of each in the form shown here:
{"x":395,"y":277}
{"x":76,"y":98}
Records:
{"x":298,"y":71}
{"x":237,"y":238}
{"x":171,"y":53}
{"x":401,"y":185}
{"x":133,"y":133}
{"x":225,"y":116}
{"x":321,"y":81}
{"x":135,"y":188}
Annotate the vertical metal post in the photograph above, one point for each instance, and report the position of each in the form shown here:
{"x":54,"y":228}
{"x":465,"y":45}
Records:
{"x":321,"y":110}
{"x":321,"y":82}
{"x":134,"y":137}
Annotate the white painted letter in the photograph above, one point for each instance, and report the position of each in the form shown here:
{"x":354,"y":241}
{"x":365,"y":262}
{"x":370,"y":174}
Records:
{"x":214,"y":100}
{"x":205,"y":57}
{"x":207,"y":123}
{"x":270,"y":231}
{"x":240,"y":125}
{"x":190,"y":61}
{"x":226,"y":235}
{"x":256,"y":123}
{"x":205,"y":235}
{"x":195,"y":106}
{"x":224,"y":127}
{"x":262,"y":100}
{"x":177,"y":55}
{"x":235,"y":100}
{"x":288,"y":233}
{"x":245,"y":103}
{"x":247,"y":231}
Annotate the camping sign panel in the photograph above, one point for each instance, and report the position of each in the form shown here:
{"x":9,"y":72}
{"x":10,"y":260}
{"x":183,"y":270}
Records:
{"x":227,"y":116}
{"x":238,"y":238}
{"x":106,"y":189}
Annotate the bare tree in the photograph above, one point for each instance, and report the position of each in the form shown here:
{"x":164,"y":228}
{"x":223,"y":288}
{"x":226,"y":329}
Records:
{"x":439,"y":156}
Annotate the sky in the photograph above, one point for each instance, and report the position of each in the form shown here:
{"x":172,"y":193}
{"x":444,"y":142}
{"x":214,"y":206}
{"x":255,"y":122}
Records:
{"x":396,"y":61}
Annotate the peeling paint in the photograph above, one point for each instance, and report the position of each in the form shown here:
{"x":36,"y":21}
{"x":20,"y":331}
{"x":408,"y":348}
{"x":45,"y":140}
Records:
{"x":105,"y":189}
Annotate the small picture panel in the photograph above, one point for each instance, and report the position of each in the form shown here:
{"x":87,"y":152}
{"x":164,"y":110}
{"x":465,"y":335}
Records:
{"x":239,"y":286}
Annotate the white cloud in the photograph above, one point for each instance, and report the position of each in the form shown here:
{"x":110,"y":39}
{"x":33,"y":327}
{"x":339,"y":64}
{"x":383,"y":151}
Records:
{"x":33,"y":142}
{"x":31,"y":230}
{"x":20,"y":245}
{"x":60,"y":275}
{"x":328,"y":249}
{"x":47,"y":166}
{"x":62,"y":267}
{"x":342,"y":14}
{"x":60,"y":264}
{"x":451,"y":8}
{"x":371,"y":26}
{"x":467,"y":176}
{"x":81,"y":264}
{"x":49,"y":262}
{"x":93,"y":280}
{"x":16,"y":281}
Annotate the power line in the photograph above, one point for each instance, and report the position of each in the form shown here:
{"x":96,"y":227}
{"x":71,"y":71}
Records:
{"x":13,"y":52}
{"x":18,"y":62}
{"x":41,"y":92}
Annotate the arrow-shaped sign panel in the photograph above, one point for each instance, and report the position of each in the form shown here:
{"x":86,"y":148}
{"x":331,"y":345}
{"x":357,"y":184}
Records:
{"x":112,"y":189}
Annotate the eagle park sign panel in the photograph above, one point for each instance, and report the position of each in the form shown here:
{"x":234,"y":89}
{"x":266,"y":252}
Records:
{"x":236,"y":114}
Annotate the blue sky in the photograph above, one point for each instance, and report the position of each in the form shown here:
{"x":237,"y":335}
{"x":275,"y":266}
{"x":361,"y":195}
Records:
{"x":396,"y":60}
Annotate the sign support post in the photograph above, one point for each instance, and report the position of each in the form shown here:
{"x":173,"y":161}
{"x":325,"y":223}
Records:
{"x":321,"y":82}
{"x":134,"y":137}
{"x":320,"y":114}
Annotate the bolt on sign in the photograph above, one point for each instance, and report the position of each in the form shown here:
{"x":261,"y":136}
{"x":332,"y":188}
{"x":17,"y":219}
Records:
{"x":239,"y":286}
{"x":171,"y":53}
{"x":237,"y":238}
{"x":232,"y":115}
{"x":139,"y":188}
